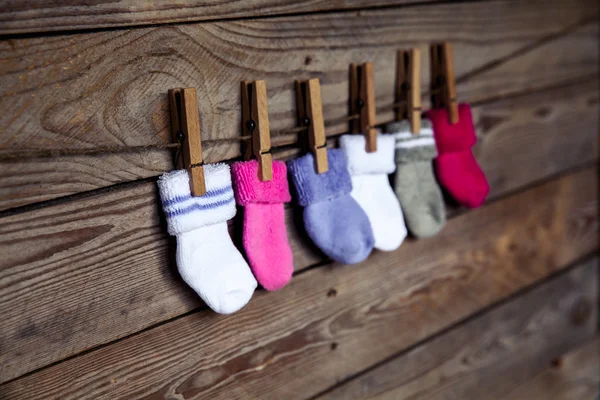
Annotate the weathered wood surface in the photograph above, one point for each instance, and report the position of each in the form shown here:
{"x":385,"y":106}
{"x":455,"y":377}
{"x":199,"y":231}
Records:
{"x":324,"y":323}
{"x":90,"y":271}
{"x":490,"y":356}
{"x":526,"y":138}
{"x":114,"y":244}
{"x":109,"y":88}
{"x":537,"y":120}
{"x":574,"y":376}
{"x":26,"y":16}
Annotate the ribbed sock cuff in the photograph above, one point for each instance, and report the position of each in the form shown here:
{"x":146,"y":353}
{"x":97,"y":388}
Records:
{"x":185,"y":212}
{"x":403,"y":127}
{"x":312,"y":187}
{"x":413,"y":148}
{"x":360,"y":162}
{"x":250,"y":189}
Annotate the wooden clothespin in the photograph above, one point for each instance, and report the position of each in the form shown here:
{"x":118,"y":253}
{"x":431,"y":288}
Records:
{"x":255,"y":122}
{"x":408,"y":88}
{"x":362,"y":102}
{"x":185,"y":127}
{"x":443,"y":85}
{"x":310,"y":114}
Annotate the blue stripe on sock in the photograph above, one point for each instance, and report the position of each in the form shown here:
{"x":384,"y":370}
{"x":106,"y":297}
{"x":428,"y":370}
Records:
{"x":199,"y":207}
{"x":186,"y":197}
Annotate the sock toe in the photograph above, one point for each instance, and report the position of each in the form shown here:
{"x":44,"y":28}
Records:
{"x":233,"y":283}
{"x":429,"y":221}
{"x":340,"y":228}
{"x":356,"y":257}
{"x":392,"y":240}
{"x":479,"y":191}
{"x":277,"y":281}
{"x":425,"y":227}
{"x":232,"y":301}
{"x":462,"y":177}
{"x":358,"y":251}
{"x":236,"y":296}
{"x":351,"y":251}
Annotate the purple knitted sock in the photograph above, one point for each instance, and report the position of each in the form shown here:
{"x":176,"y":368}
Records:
{"x":332,"y":218}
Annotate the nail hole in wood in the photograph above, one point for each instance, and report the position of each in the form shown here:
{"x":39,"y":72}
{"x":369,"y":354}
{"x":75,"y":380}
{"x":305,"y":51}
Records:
{"x":557,"y":362}
{"x":332,"y":293}
{"x":581,"y":312}
{"x":333,"y":346}
{"x":543,"y":112}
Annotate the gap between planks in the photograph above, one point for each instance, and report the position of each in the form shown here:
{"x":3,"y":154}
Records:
{"x":589,"y":258}
{"x":331,"y":140}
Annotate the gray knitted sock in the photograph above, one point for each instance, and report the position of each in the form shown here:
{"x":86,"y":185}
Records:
{"x":419,"y":194}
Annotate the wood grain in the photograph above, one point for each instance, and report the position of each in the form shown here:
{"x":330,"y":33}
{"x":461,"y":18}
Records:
{"x":109,"y":88}
{"x":573,"y":376}
{"x":40,"y":16}
{"x":525,"y":138}
{"x":99,"y":261}
{"x":493,"y":355}
{"x":332,"y":321}
{"x":100,"y":267}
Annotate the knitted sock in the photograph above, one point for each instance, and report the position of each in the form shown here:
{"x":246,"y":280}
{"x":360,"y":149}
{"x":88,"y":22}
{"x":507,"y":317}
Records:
{"x":264,"y":235}
{"x":206,"y":258}
{"x":371,"y":188}
{"x":456,"y":168}
{"x":419,"y":194}
{"x":332,"y":218}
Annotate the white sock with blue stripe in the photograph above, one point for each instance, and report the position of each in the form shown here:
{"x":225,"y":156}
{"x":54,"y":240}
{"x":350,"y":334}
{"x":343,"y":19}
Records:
{"x":207,"y":259}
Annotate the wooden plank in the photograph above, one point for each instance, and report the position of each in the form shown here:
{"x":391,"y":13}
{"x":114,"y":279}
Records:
{"x":40,"y":16}
{"x":114,"y":244}
{"x":351,"y":316}
{"x":82,"y":91}
{"x":93,"y":270}
{"x":574,"y":376}
{"x":492,"y":355}
{"x":543,"y":127}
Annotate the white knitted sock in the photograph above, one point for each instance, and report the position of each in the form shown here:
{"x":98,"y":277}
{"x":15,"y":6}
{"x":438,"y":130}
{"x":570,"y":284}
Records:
{"x":207,"y":259}
{"x":371,"y":188}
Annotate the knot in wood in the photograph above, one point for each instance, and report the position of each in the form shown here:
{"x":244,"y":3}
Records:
{"x":580,"y":312}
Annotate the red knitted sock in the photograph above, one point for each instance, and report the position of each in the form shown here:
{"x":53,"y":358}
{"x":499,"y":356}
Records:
{"x":456,"y":168}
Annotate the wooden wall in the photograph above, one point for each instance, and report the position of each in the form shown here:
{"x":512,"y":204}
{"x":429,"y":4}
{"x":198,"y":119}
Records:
{"x":502,"y":304}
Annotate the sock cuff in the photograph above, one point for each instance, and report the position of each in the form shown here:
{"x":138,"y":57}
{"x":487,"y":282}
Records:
{"x":184,"y":212}
{"x":413,"y":148}
{"x":360,"y":162}
{"x":312,"y":187}
{"x":402,"y":129}
{"x":457,"y":137}
{"x":250,"y":189}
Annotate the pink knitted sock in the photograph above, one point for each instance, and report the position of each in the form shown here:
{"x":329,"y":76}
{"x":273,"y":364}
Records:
{"x":264,"y":235}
